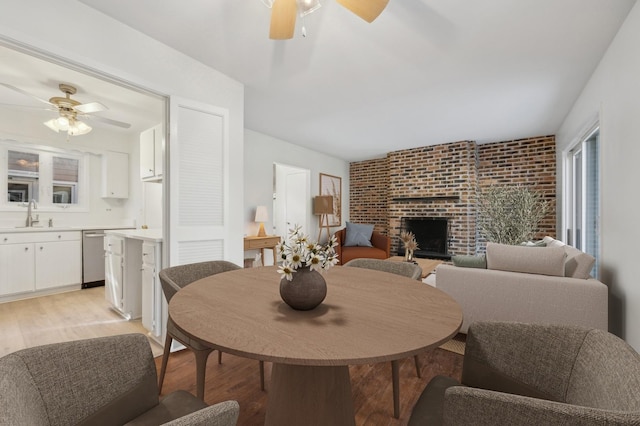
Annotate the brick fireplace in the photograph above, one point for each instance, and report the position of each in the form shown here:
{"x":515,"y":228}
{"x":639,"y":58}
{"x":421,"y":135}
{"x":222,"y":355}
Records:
{"x":444,"y":181}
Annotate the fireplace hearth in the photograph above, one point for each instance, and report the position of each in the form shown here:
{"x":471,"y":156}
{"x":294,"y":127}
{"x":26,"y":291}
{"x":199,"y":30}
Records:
{"x":432,"y":236}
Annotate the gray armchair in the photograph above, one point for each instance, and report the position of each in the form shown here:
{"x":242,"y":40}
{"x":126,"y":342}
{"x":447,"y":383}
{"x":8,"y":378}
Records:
{"x":531,"y":374}
{"x":405,"y":269}
{"x":103,"y":381}
{"x":173,"y":279}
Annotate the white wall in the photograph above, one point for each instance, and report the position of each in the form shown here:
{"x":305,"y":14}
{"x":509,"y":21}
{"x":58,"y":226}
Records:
{"x":613,"y":94}
{"x":261,"y":152}
{"x":102,"y":211}
{"x":102,"y":44}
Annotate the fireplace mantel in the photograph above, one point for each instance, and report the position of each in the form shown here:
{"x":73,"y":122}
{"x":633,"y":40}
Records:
{"x":426,"y":199}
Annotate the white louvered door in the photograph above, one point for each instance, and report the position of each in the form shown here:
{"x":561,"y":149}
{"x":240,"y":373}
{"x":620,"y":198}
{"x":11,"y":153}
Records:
{"x":198,"y":182}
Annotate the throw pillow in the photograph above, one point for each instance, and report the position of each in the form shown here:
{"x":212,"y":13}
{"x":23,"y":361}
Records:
{"x":578,"y":263}
{"x":552,"y":242}
{"x":467,"y":261}
{"x":540,"y":243}
{"x":358,"y":234}
{"x":542,"y":261}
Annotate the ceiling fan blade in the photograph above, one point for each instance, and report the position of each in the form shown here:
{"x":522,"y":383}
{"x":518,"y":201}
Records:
{"x":107,"y":121}
{"x":368,"y":10}
{"x":283,"y":19}
{"x":8,"y":86}
{"x":30,"y":107}
{"x":90,"y":107}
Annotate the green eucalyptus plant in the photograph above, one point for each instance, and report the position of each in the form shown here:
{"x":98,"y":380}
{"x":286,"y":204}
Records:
{"x":510,"y":214}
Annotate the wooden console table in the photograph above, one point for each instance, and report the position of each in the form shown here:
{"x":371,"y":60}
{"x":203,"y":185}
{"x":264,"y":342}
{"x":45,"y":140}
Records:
{"x":260,"y":243}
{"x":427,"y":265}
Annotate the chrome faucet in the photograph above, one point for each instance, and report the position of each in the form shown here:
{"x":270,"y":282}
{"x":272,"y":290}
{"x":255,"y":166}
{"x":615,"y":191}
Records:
{"x":30,"y":220}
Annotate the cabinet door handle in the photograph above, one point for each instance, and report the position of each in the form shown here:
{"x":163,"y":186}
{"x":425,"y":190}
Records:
{"x":41,"y":248}
{"x":26,"y":249}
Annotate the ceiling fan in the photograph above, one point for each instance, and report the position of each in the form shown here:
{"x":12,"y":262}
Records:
{"x":283,"y":13}
{"x":70,"y":111}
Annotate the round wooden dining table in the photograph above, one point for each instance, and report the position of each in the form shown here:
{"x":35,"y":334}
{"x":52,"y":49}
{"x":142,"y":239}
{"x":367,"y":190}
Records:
{"x":367,"y":317}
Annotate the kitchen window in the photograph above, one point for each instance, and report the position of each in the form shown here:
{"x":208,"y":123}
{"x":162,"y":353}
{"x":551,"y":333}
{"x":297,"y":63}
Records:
{"x":53,"y":177}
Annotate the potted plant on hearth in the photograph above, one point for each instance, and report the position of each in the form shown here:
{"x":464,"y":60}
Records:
{"x":510,"y":214}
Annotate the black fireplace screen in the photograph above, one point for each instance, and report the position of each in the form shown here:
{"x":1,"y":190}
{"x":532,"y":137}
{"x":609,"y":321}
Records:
{"x":432,"y":236}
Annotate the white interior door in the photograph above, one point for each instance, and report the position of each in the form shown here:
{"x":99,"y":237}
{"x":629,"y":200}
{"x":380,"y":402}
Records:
{"x":292,"y":199}
{"x":197,"y":187}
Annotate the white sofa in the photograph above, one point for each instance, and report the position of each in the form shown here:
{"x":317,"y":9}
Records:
{"x":548,"y":285}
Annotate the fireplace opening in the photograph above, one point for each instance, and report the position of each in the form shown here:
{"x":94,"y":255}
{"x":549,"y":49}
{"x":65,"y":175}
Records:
{"x":432,"y":236}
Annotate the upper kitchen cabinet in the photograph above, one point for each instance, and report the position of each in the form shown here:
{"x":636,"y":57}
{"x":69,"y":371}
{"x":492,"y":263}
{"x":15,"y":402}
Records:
{"x":115,"y":175}
{"x":151,"y":154}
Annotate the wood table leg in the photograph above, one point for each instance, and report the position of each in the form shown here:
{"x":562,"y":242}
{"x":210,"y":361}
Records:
{"x":310,"y":396}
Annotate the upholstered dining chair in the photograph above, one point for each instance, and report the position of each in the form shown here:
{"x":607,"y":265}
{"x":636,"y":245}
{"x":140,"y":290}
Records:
{"x":101,"y":381}
{"x":406,"y":269}
{"x":534,"y":374}
{"x":173,"y":279}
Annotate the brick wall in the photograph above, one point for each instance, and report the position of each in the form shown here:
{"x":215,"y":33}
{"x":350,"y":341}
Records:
{"x":444,"y":180}
{"x":528,"y":162}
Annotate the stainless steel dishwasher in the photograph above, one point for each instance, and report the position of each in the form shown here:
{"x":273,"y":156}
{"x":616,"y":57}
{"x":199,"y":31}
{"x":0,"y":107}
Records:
{"x":92,"y":258}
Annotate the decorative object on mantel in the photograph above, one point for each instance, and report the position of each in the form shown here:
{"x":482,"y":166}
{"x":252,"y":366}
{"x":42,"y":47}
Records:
{"x":261,"y":217}
{"x":410,"y":245}
{"x":510,"y":214}
{"x":302,"y":287}
{"x":323,"y":206}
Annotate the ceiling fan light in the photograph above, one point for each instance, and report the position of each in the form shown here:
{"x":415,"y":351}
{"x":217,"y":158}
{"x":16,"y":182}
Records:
{"x":79,"y":128}
{"x":62,"y":122}
{"x":307,"y":6}
{"x":52,"y":124}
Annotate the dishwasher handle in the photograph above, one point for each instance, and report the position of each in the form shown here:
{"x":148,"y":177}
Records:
{"x":93,"y":235}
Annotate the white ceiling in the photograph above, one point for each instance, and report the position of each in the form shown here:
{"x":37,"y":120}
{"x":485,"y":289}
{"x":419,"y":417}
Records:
{"x":425,"y":72}
{"x":41,"y":78}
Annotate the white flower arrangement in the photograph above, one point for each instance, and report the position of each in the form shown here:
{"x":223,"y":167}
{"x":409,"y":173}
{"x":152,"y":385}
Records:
{"x":299,"y":252}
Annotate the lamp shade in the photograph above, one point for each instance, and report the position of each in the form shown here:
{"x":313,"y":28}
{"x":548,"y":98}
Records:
{"x":261,"y":214}
{"x":323,"y":204}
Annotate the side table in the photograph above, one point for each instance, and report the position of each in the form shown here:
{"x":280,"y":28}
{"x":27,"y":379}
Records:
{"x":260,"y":243}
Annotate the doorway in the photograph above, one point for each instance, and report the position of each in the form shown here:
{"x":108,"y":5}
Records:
{"x":291,"y":198}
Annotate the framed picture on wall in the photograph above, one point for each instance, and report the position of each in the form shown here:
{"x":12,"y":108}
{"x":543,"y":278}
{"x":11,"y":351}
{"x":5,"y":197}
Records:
{"x":332,"y":185}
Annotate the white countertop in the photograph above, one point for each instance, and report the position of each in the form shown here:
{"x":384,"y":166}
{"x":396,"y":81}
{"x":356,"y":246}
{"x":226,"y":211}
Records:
{"x":153,"y":235}
{"x":23,"y":229}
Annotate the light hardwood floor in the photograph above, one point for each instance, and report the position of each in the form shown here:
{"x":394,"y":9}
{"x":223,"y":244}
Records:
{"x":74,"y":315}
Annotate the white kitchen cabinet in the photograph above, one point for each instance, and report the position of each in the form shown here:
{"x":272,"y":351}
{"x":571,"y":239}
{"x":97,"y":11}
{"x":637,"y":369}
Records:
{"x":115,"y":175}
{"x":58,"y":262}
{"x":17,"y":274}
{"x":151,"y":154}
{"x":122,"y":275}
{"x":152,"y":297}
{"x":39,"y":261}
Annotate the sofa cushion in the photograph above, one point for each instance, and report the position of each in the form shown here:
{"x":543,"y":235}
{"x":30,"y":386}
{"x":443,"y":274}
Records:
{"x":358,"y":234}
{"x":530,"y":260}
{"x":578,"y":264}
{"x":465,"y":261}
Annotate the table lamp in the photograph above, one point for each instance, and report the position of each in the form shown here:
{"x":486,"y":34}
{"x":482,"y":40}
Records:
{"x":323,"y":206}
{"x":261,"y":216}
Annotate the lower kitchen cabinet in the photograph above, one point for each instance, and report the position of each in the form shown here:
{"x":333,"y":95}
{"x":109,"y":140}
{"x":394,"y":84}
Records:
{"x":152,"y":297}
{"x":122,"y":275}
{"x":17,"y":274}
{"x":39,"y":261}
{"x":58,"y":263}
